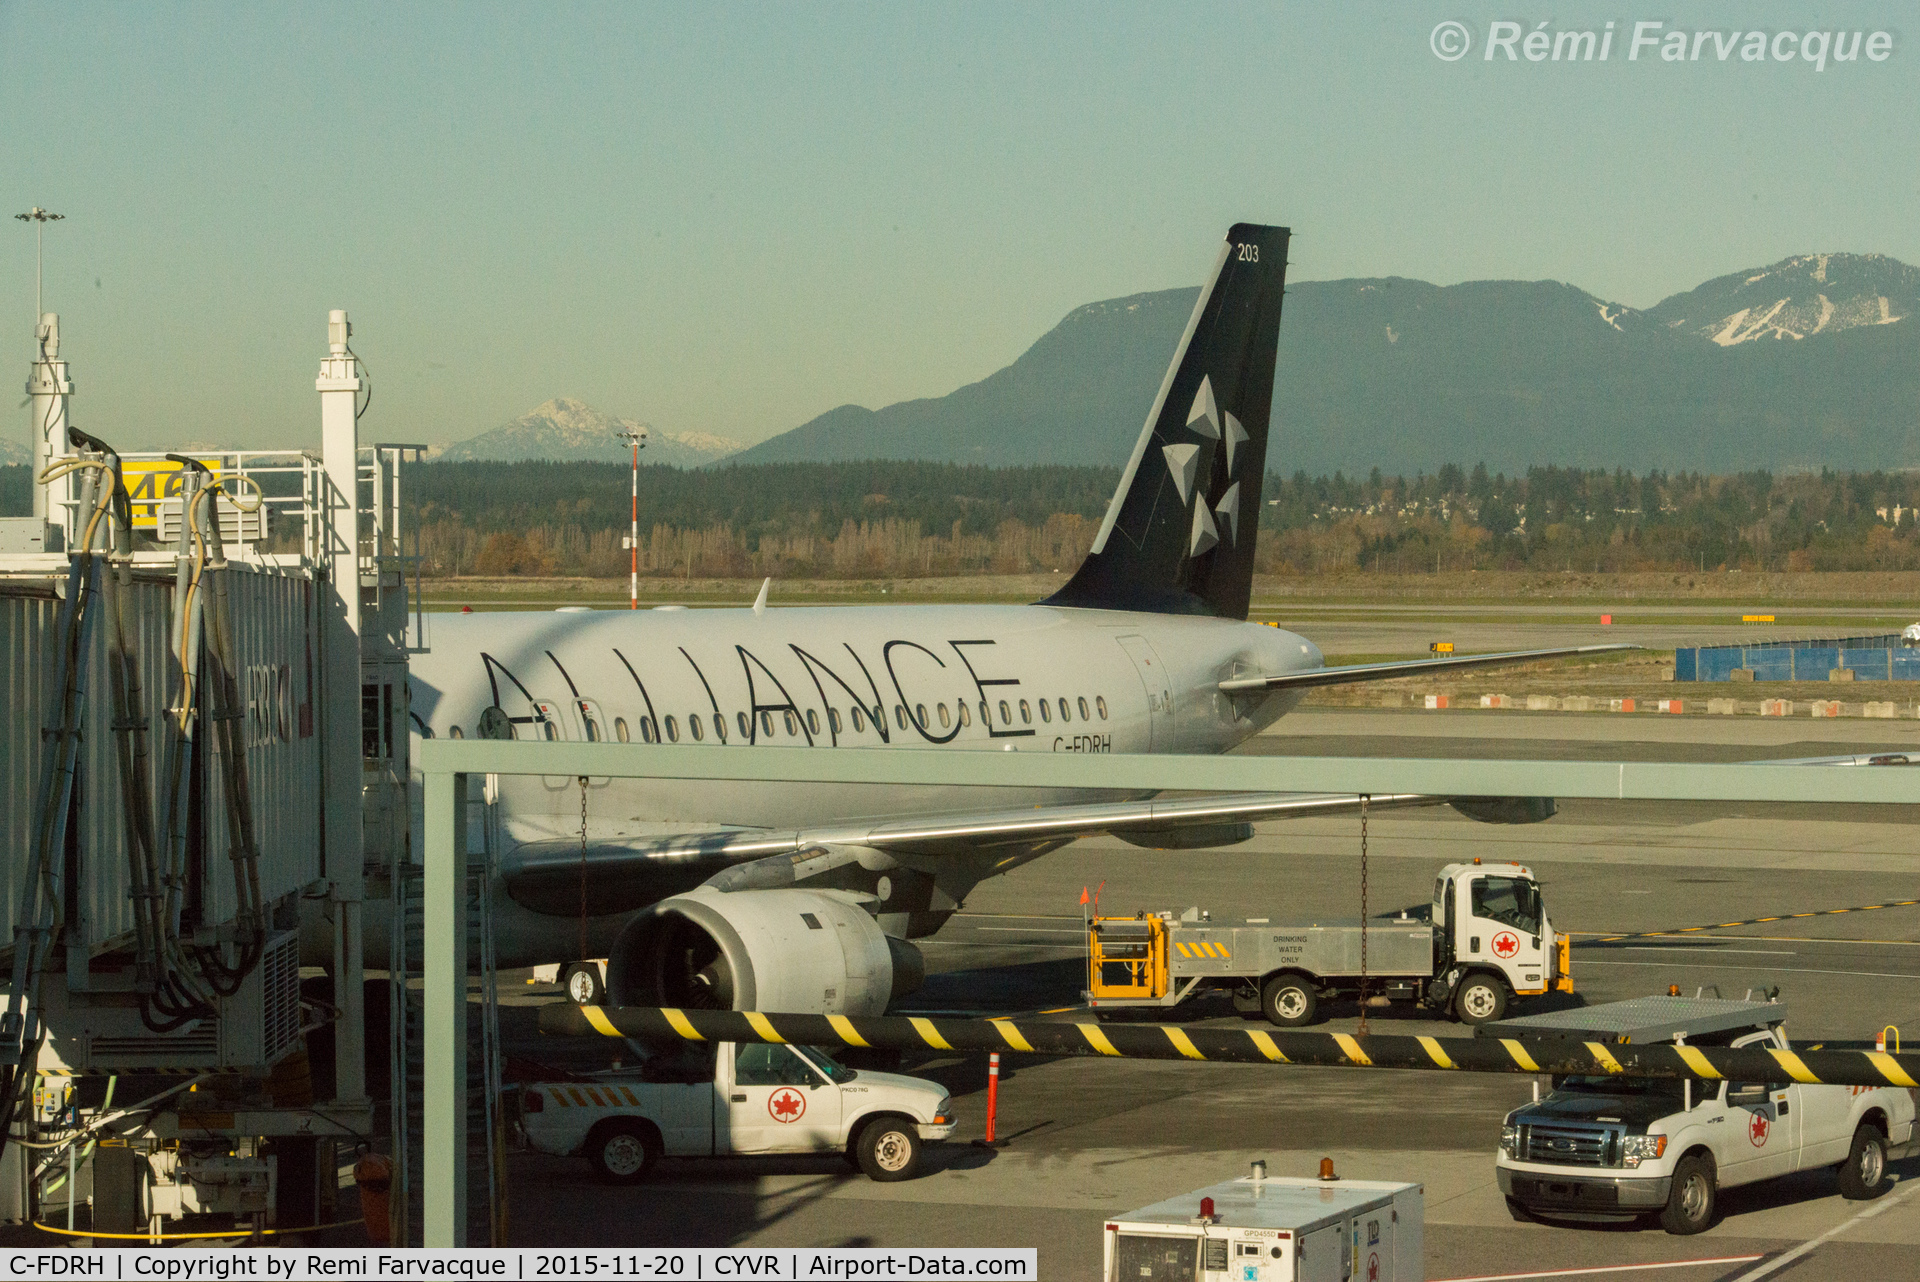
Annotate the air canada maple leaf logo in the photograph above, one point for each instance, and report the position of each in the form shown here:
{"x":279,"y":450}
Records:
{"x":786,"y":1104}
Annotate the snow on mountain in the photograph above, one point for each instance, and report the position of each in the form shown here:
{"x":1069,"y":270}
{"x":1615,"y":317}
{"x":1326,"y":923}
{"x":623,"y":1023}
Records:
{"x":1795,"y":298}
{"x":570,"y":430}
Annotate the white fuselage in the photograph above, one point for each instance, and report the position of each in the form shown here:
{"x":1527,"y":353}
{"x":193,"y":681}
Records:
{"x":984,"y":678}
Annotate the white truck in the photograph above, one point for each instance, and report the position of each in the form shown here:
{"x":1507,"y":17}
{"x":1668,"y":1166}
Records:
{"x":724,"y":1099}
{"x":1258,"y":1229}
{"x":1616,"y":1148}
{"x":1486,"y":939}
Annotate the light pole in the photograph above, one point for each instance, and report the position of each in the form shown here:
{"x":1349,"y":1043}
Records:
{"x":40,"y":218}
{"x":637,"y":436}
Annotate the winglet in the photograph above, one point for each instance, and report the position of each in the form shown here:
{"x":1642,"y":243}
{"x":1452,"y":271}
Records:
{"x":760,"y":602}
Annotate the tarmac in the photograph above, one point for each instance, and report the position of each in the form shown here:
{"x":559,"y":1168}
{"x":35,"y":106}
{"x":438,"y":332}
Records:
{"x":1088,"y":1139}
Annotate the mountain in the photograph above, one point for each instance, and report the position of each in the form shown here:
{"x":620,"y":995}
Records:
{"x":566,"y":429}
{"x":1813,"y":361}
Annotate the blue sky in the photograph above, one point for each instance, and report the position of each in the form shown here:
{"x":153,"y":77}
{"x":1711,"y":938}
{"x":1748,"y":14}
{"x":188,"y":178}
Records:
{"x":732,"y":218}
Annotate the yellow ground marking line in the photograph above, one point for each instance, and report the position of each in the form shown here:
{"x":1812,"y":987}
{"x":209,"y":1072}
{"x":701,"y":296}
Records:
{"x":1434,"y":1051}
{"x":1096,"y":1038}
{"x":1265,"y":1042}
{"x":603,"y":1025}
{"x":1751,"y":921}
{"x":928,"y":1033}
{"x":681,"y":1024}
{"x":1351,"y":1049}
{"x":1013,"y":1035}
{"x":1183,"y":1044}
{"x":848,"y":1033}
{"x":763,"y":1026}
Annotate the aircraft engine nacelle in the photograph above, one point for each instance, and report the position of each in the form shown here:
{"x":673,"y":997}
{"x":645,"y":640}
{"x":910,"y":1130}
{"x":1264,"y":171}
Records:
{"x":797,"y":951}
{"x":1505,"y":810}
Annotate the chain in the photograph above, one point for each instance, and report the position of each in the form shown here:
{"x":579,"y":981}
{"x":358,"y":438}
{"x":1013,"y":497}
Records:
{"x":583,"y":868}
{"x":1363,"y":913}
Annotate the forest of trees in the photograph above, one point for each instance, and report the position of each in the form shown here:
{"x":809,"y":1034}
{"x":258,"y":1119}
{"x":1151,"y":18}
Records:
{"x":858,"y":520}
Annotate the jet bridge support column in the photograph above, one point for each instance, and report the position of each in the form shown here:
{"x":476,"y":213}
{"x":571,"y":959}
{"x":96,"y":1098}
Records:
{"x":339,"y":385}
{"x":444,"y":1051}
{"x":49,"y":387}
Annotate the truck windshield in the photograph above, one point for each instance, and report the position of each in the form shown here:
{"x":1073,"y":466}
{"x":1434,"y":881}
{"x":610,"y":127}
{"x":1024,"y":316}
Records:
{"x":1511,"y":901}
{"x":826,"y":1063}
{"x":1648,"y":1086}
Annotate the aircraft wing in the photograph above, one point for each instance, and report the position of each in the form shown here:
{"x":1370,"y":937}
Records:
{"x":625,"y":872}
{"x":1349,"y":673}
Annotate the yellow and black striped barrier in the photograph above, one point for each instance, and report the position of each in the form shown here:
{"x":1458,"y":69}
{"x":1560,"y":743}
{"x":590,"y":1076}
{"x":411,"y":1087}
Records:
{"x":1242,"y":1045}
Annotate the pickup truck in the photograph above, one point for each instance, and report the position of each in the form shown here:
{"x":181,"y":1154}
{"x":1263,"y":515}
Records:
{"x":1484,"y":940}
{"x":1614,"y":1148}
{"x":736,"y":1099}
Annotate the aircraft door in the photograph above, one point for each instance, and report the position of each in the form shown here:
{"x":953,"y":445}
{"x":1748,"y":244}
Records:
{"x":1157,"y":682}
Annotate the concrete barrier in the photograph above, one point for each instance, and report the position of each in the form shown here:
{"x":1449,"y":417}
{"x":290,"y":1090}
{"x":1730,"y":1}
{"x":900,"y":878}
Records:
{"x":1542,"y":703}
{"x":1722,"y":707}
{"x":1887,"y":709}
{"x":1673,"y":705}
{"x":1776,"y":707}
{"x":1620,"y":705}
{"x":1823,"y":708}
{"x":1436,"y":701}
{"x":1495,"y":701}
{"x":1577,"y":703}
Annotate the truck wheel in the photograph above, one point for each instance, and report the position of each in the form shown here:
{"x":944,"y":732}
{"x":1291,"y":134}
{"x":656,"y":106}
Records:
{"x":1289,"y":1001}
{"x":1480,"y":1000}
{"x":582,"y":982}
{"x":889,"y":1149}
{"x":1863,"y":1176}
{"x":622,"y":1150}
{"x":1689,"y":1206}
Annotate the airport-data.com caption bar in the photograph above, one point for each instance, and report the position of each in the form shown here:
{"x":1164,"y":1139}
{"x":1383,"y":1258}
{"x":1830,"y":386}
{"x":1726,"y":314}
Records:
{"x":290,"y":1264}
{"x":1657,"y":42}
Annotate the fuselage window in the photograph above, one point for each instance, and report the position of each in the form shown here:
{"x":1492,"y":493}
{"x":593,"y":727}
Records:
{"x":720,"y":727}
{"x":1063,"y":711}
{"x":647,"y":733}
{"x":1026,"y":713}
{"x":693,"y":727}
{"x":1100,"y":702}
{"x":549,"y":730}
{"x":455,"y":733}
{"x":813,"y":722}
{"x":1046,"y":712}
{"x":673,"y":731}
{"x":1006,"y":717}
{"x":1083,"y":709}
{"x":766,"y":725}
{"x":833,"y":718}
{"x":960,"y":710}
{"x":900,"y":716}
{"x":859,"y":720}
{"x":620,"y":731}
{"x":920,"y":715}
{"x":793,"y":727}
{"x":746,"y":726}
{"x":592,"y":726}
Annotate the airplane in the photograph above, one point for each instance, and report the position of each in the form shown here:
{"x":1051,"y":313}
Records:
{"x":806,"y":898}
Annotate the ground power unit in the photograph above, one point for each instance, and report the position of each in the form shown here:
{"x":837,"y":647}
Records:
{"x":1257,"y":1229}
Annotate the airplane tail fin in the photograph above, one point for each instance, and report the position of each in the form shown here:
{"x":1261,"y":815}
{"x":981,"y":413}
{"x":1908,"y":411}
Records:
{"x":1179,"y":535}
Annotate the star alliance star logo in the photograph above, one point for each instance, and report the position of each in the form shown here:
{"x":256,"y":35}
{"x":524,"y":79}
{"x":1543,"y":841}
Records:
{"x":1206,"y":421}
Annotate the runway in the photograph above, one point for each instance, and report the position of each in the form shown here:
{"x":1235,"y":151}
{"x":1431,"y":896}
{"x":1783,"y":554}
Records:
{"x":1091,"y":1139}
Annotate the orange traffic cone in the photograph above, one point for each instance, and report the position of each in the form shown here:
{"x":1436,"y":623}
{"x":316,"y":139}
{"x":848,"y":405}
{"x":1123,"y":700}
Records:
{"x":374,"y":1174}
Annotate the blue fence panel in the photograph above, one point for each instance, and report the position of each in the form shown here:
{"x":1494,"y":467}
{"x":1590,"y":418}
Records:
{"x":1813,"y":665}
{"x":1906,"y":665}
{"x":1770,"y":665}
{"x":1684,"y":660}
{"x":1869,"y":665}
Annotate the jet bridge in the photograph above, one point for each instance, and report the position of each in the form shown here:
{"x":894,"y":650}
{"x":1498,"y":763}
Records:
{"x":203,"y":739}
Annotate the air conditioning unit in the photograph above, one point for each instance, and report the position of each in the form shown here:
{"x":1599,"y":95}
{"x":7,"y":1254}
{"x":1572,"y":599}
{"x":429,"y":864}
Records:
{"x":249,"y":1032}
